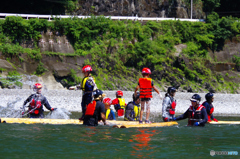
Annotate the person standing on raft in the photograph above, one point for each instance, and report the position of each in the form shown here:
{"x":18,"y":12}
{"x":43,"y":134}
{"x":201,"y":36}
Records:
{"x":133,"y":109}
{"x":95,"y":110}
{"x":209,"y":107}
{"x":145,"y":84}
{"x":169,"y":105}
{"x":88,"y":85}
{"x":37,"y":100}
{"x":196,"y":113}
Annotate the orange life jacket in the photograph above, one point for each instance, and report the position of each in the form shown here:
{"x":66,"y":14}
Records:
{"x":145,"y":85}
{"x":91,"y":108}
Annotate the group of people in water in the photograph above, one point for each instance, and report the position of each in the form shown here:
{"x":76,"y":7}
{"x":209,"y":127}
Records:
{"x":95,"y":107}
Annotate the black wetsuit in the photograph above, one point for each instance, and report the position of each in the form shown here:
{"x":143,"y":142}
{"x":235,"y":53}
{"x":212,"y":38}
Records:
{"x":92,"y":120}
{"x":200,"y":116}
{"x":44,"y":102}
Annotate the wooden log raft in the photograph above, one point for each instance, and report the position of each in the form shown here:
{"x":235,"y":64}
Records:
{"x":118,"y":124}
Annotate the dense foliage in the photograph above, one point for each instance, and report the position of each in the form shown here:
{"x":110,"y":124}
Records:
{"x":120,"y":49}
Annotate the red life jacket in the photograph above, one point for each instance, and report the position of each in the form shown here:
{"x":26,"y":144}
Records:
{"x":145,"y":85}
{"x":35,"y":106}
{"x":171,"y":107}
{"x":172,"y":110}
{"x":91,"y":108}
{"x":194,"y":116}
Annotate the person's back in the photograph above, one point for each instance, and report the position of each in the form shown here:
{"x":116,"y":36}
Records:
{"x":110,"y":115}
{"x":92,"y":117}
{"x":145,"y":84}
{"x":132,"y":111}
{"x":119,"y":104}
{"x":95,"y":110}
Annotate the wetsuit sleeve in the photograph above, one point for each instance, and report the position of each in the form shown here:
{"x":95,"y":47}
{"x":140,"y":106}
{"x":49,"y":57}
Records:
{"x":204,"y":117}
{"x":183,"y":116}
{"x":113,"y":114}
{"x":165,"y":103}
{"x":46,"y":104}
{"x":128,"y":111}
{"x":28,"y":99}
{"x":207,"y":106}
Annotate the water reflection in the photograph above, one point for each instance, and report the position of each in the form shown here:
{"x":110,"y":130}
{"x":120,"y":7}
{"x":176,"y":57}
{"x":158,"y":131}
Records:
{"x":141,"y":142}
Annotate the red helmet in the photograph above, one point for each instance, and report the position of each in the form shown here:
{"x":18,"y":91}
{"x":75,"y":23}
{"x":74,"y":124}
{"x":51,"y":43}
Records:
{"x":87,"y":68}
{"x":119,"y":93}
{"x":37,"y":86}
{"x":146,"y":70}
{"x":107,"y":100}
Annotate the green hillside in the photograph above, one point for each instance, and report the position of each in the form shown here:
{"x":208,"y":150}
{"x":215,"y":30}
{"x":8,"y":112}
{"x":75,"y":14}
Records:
{"x":120,"y":49}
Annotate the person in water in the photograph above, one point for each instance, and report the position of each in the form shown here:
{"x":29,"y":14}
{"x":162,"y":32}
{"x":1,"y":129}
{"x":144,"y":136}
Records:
{"x":119,"y":104}
{"x":95,"y":110}
{"x":110,"y":115}
{"x":196,"y":113}
{"x":133,"y":109}
{"x":37,"y":100}
{"x":145,"y":84}
{"x":88,"y":85}
{"x":169,"y":105}
{"x":209,"y":107}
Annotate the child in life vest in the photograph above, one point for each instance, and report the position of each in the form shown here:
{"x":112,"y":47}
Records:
{"x":119,"y":104}
{"x":145,"y":84}
{"x":110,"y":115}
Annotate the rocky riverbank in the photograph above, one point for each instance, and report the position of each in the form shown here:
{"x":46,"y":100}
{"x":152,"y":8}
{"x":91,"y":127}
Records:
{"x":225,"y":104}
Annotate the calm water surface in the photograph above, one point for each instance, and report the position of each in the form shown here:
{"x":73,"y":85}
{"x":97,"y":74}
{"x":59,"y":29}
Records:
{"x":78,"y":141}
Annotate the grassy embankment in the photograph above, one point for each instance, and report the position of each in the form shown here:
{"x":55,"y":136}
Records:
{"x":120,"y":49}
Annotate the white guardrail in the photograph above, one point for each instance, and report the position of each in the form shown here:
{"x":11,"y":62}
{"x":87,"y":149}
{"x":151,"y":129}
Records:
{"x":51,"y":17}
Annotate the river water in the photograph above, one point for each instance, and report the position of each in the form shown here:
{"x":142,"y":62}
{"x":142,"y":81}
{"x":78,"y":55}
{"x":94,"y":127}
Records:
{"x":78,"y":141}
